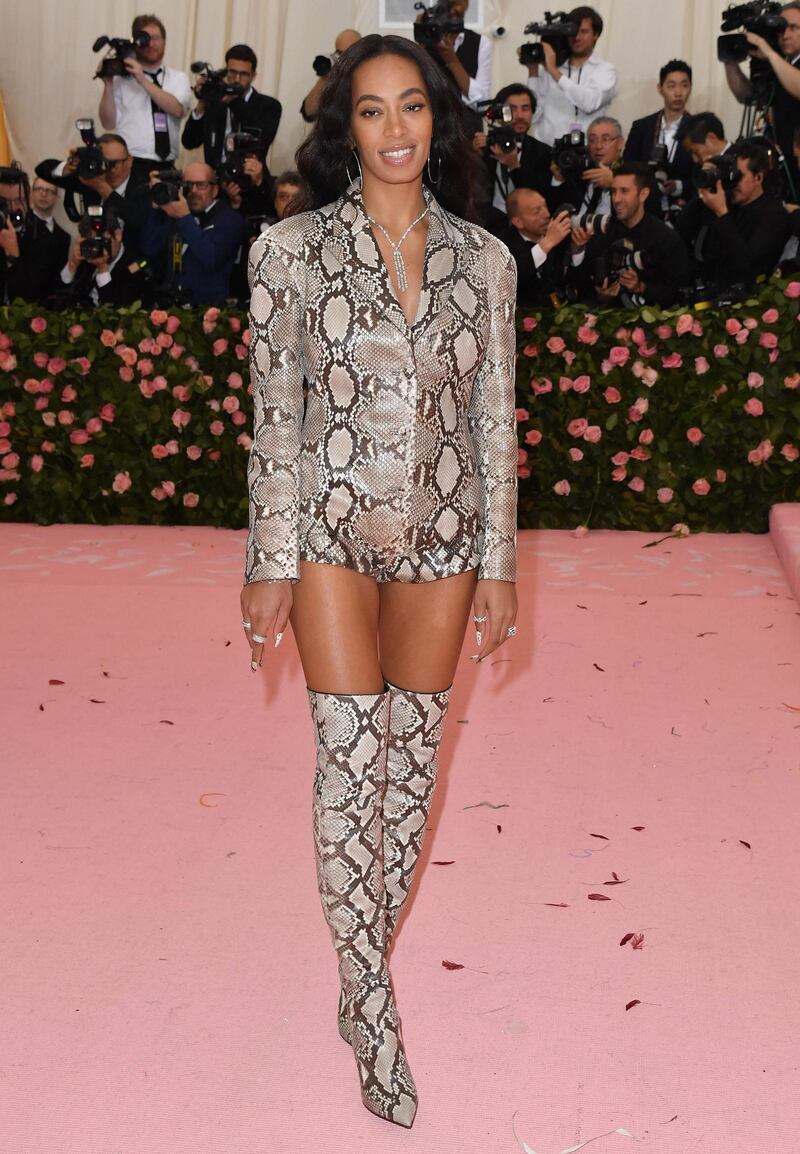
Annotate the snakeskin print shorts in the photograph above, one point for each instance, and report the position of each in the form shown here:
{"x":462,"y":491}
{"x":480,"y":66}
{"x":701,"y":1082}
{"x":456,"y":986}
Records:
{"x":410,"y":566}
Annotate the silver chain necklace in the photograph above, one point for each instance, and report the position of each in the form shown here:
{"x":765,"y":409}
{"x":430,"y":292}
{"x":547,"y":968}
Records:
{"x":400,"y":268}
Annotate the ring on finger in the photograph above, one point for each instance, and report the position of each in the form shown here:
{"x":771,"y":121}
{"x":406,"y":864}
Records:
{"x":247,"y":624}
{"x":259,"y":640}
{"x":479,"y":620}
{"x":511,"y":631}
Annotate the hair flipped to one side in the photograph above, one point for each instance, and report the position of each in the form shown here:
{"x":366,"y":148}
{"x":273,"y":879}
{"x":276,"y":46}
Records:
{"x":322,"y":159}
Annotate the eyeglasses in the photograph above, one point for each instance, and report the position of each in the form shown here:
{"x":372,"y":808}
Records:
{"x":244,"y":74}
{"x":603,"y":139}
{"x":46,"y":191}
{"x":199,"y":184}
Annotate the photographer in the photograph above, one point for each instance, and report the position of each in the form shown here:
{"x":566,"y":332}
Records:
{"x":287,"y":199}
{"x":146,"y":106}
{"x":193,"y":238}
{"x":322,"y":66}
{"x":638,"y":259}
{"x":589,"y":188}
{"x":526,"y":164}
{"x":33,"y":247}
{"x":572,"y":94}
{"x":111,"y":186}
{"x":536,"y":242}
{"x":657,"y":139}
{"x":736,"y":228}
{"x":250,"y":111}
{"x":100,"y":269}
{"x":466,"y":57}
{"x":785,"y":65}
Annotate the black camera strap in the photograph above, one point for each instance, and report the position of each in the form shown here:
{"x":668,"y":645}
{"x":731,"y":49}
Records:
{"x":569,"y":75}
{"x":160,"y":123}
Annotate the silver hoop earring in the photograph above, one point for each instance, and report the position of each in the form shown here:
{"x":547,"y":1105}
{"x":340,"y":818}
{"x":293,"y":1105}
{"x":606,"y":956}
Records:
{"x":360,"y":177}
{"x":434,"y":179}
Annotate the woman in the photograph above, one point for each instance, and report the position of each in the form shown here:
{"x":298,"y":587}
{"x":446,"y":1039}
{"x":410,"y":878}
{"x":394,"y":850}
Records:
{"x":385,"y":504}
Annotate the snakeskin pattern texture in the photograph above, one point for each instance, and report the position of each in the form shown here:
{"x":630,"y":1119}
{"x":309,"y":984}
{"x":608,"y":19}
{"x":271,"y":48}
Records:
{"x":401,"y":458}
{"x":349,"y":784}
{"x":412,"y":763}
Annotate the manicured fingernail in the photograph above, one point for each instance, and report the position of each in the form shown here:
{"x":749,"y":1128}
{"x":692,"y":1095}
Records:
{"x":278,"y":639}
{"x":254,"y":666}
{"x":478,"y":638}
{"x":475,"y":657}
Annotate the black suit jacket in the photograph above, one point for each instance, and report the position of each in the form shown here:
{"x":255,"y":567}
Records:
{"x":132,"y":207}
{"x":666,"y":261}
{"x":534,"y":172}
{"x":260,"y":113}
{"x":642,"y":138}
{"x":43,"y":254}
{"x":534,"y":285}
{"x":738,"y":247}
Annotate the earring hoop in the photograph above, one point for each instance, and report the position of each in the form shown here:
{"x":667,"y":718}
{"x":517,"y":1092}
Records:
{"x":438,"y":157}
{"x":353,"y":179}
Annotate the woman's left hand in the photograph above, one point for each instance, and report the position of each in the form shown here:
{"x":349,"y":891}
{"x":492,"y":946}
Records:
{"x":495,"y":615}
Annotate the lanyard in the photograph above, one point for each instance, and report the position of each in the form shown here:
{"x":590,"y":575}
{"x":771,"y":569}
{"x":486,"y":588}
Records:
{"x":569,"y":74}
{"x":662,"y":137}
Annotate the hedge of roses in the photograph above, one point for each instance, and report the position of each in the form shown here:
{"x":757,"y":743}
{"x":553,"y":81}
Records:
{"x":626,"y":420}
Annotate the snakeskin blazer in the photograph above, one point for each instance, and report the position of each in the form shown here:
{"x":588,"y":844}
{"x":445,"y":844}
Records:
{"x":406,"y":437}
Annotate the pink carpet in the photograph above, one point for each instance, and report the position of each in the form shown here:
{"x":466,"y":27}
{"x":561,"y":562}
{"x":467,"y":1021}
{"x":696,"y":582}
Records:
{"x":168,"y":983}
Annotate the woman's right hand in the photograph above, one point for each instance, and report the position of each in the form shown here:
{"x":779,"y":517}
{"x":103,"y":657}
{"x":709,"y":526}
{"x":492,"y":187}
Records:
{"x":266,"y":606}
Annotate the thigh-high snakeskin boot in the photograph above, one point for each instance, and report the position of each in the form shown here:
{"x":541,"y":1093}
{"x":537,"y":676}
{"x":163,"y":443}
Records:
{"x":349,"y":784}
{"x":415,"y":731}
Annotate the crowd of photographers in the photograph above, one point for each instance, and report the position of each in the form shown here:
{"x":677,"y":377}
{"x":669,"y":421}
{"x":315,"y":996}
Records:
{"x":670,"y":210}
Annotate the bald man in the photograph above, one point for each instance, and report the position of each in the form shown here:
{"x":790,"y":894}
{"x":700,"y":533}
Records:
{"x":535,"y":239}
{"x":192,"y":241}
{"x":309,"y":109}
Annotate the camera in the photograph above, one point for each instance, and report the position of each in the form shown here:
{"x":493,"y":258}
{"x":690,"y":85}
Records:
{"x":93,"y":226}
{"x":122,"y":50}
{"x":90,"y":158}
{"x":722,"y":169}
{"x":167,"y":188}
{"x":435,"y":24}
{"x":323,"y":64}
{"x":238,"y":146}
{"x":216,"y":86}
{"x":571,"y":154}
{"x":500,"y":131}
{"x":620,"y":255}
{"x":658,"y":164}
{"x":764,"y":18}
{"x":556,"y":30}
{"x":593,"y":222}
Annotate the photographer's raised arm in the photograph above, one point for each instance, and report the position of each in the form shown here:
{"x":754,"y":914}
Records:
{"x":785,"y":72}
{"x":107,"y":111}
{"x":593,"y":93}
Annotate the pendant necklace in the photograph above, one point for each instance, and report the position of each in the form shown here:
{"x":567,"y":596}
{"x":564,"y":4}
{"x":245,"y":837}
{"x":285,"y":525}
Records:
{"x":400,"y":268}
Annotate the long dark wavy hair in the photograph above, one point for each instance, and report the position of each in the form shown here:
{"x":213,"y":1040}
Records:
{"x":322,"y":159}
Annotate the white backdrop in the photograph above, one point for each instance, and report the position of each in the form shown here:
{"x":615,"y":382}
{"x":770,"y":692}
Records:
{"x":47,"y":61}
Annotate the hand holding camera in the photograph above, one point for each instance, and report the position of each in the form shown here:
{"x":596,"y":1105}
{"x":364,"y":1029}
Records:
{"x":558,"y":230}
{"x":714,"y":198}
{"x":9,"y":241}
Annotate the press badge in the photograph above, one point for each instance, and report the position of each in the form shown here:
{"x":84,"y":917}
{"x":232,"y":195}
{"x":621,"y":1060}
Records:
{"x":160,"y":122}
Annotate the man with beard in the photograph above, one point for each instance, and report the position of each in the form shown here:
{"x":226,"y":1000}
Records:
{"x":527,"y":165}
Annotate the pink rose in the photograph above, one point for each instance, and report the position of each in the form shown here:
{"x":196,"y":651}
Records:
{"x":177,"y":351}
{"x":40,"y":403}
{"x":721,"y":351}
{"x":701,"y":366}
{"x":173,"y":324}
{"x":639,"y":336}
{"x":235,"y":324}
{"x":181,"y":418}
{"x":612,"y":396}
{"x":108,"y":412}
{"x":569,"y":356}
{"x":235,"y":382}
{"x":594,"y":434}
{"x":5,"y":445}
{"x":755,"y":380}
{"x":640,"y":454}
{"x":793,"y":290}
{"x":121,"y":483}
{"x":565,"y":384}
{"x":576,"y":454}
{"x":181,"y":393}
{"x":533,"y":437}
{"x":191,"y":500}
{"x":129,"y":356}
{"x":74,"y":332}
{"x":637,"y":484}
{"x":732,"y":326}
{"x":246,"y":338}
{"x":606,"y":367}
{"x":721,"y":391}
{"x":773,"y":356}
{"x":40,"y":360}
{"x":695,"y":435}
{"x":5,"y":428}
{"x":31,"y":385}
{"x":164,"y":341}
{"x":619,"y":474}
{"x":664,"y":332}
{"x":79,"y":437}
{"x":768,"y":340}
{"x":544,"y":386}
{"x":158,"y":493}
{"x":159,"y":452}
{"x":520,"y":414}
{"x":529,"y":324}
{"x":48,"y":446}
{"x":701,"y":487}
{"x":620,"y":459}
{"x":635,"y":414}
{"x":169,"y":488}
{"x":145,"y":366}
{"x":36,"y":463}
{"x":587,"y":335}
{"x":522,"y":457}
{"x":65,"y":417}
{"x":126,"y":373}
{"x":172,"y":448}
{"x":10,"y":461}
{"x":7,"y":362}
{"x":87,"y":460}
{"x":523,"y":472}
{"x":9,"y":498}
{"x":562,"y":488}
{"x":68,"y":394}
{"x":214,"y":405}
{"x":194,"y":452}
{"x":665,"y":495}
{"x":38,"y":324}
{"x":790,"y":452}
{"x":681,"y":530}
{"x":216,"y":428}
{"x":556,"y":345}
{"x":244,"y":440}
{"x":49,"y":419}
{"x":531,"y":351}
{"x":582,"y":384}
{"x":649,"y":377}
{"x":754,"y":407}
{"x":577,"y":427}
{"x":685,"y":324}
{"x":673,"y":361}
{"x":211,"y":316}
{"x":766,"y":448}
{"x":214,"y":454}
{"x":623,"y":335}
{"x":721,"y":476}
{"x":792,"y":382}
{"x":646,"y":437}
{"x":637,"y":368}
{"x":619,"y":355}
{"x":146,"y":388}
{"x":94,"y":425}
{"x":56,"y":365}
{"x":159,"y":384}
{"x":771,"y":317}
{"x":238,"y":418}
{"x":158,"y":317}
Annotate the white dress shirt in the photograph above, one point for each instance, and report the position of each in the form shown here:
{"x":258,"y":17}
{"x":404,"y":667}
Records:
{"x":480,"y":86}
{"x":135,"y":113}
{"x":581,"y":95}
{"x":229,"y":117}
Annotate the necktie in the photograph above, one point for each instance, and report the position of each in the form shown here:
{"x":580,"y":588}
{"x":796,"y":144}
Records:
{"x":160,"y":126}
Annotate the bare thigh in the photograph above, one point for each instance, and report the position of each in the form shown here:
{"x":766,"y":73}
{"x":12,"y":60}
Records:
{"x":334,"y":619}
{"x":421,"y":630}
